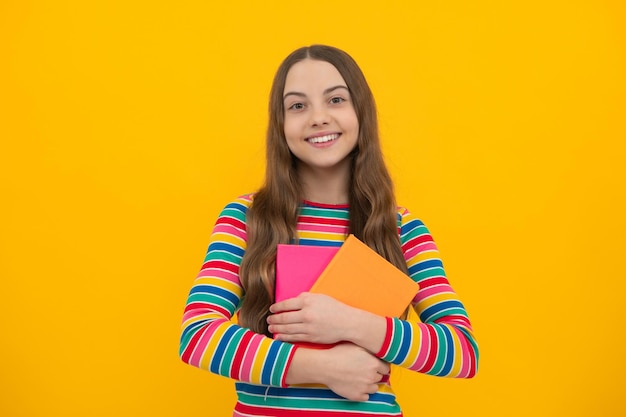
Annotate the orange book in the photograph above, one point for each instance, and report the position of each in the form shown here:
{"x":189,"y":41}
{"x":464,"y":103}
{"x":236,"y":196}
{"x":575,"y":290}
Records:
{"x":361,"y":278}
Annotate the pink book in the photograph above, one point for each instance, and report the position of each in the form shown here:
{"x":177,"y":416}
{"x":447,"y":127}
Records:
{"x":297,"y":269}
{"x":298,"y":266}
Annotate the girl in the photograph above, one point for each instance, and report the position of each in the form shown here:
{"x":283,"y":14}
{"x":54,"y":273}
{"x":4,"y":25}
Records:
{"x":325,"y":178}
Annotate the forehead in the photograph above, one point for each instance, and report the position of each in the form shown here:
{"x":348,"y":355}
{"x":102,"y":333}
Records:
{"x":310,"y":76}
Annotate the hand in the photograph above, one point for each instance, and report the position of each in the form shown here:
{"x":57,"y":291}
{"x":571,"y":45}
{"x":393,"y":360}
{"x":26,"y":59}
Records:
{"x":314,"y":318}
{"x":352,"y":372}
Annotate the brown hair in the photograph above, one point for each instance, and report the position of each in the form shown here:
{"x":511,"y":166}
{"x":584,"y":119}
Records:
{"x":272,"y":217}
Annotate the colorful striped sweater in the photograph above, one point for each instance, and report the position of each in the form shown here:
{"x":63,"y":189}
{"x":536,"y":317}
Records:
{"x":440,"y":343}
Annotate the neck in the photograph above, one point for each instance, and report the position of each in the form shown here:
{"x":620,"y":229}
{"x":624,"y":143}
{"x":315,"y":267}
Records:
{"x":327,"y":186}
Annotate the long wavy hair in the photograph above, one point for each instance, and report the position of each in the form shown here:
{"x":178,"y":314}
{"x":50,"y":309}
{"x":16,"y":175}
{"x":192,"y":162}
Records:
{"x":272,"y":216}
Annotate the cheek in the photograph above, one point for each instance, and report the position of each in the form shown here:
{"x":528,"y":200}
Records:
{"x":290,"y":134}
{"x":355,"y":132}
{"x":291,"y":128}
{"x":350,"y":120}
{"x":354,"y":126}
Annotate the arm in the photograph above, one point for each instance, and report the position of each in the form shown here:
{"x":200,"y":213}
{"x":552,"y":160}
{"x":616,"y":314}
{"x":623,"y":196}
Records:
{"x":347,"y":369}
{"x":209,"y":339}
{"x":443,"y":343}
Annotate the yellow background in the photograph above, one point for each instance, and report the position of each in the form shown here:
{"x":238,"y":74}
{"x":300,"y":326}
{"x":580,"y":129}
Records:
{"x":125,"y":126}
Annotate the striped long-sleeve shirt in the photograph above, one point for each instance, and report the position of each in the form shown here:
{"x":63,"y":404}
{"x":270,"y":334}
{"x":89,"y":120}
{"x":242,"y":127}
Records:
{"x":440,"y":343}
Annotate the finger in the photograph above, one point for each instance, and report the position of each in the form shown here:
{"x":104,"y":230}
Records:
{"x":373,"y":389}
{"x":292,"y":328}
{"x":384,"y":368}
{"x":292,"y":338}
{"x":359,"y":397}
{"x":289,"y":304}
{"x":380,"y":378}
{"x":288,"y":317}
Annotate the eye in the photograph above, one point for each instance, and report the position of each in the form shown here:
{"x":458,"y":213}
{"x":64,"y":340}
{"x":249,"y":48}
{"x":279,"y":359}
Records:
{"x":296,"y":106}
{"x":337,"y":100}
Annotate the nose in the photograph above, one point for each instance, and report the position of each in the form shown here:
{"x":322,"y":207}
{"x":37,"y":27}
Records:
{"x":319,"y":116}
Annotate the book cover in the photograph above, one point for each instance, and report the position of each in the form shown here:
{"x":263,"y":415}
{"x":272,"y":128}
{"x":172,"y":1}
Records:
{"x":358,"y":276}
{"x":298,"y":267}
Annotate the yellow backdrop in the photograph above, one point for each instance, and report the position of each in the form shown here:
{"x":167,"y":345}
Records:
{"x":126,"y":126}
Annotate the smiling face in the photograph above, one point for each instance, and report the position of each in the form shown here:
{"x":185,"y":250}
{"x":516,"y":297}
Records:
{"x":320,"y":124}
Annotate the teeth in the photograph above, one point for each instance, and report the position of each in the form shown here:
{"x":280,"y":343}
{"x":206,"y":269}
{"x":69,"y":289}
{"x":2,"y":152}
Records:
{"x":322,"y":139}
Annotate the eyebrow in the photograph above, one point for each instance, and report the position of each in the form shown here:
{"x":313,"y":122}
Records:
{"x":327,"y":91}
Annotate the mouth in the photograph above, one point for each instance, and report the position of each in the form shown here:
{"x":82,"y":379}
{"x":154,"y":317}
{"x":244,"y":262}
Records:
{"x":323,"y":139}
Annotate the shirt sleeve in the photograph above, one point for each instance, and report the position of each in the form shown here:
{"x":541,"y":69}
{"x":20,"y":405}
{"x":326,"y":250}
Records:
{"x":210,"y":339}
{"x":441,"y":342}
